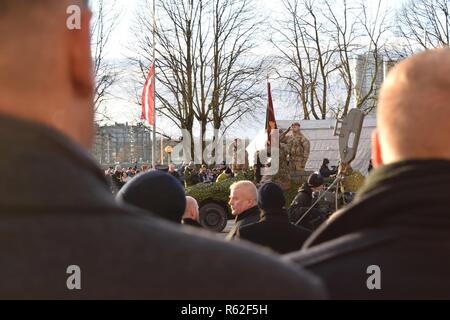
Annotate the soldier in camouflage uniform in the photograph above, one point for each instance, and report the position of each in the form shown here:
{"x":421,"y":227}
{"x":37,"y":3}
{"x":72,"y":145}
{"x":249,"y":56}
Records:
{"x":298,"y":147}
{"x":282,"y":176}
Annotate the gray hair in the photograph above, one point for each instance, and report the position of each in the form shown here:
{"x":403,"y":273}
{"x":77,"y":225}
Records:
{"x":248,"y":186}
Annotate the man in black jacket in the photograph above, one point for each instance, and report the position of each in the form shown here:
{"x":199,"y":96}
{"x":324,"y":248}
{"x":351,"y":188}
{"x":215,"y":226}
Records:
{"x":305,"y":193}
{"x":62,"y":236}
{"x":302,"y":204}
{"x":274,"y":230}
{"x":393,"y":242}
{"x":243,"y":203}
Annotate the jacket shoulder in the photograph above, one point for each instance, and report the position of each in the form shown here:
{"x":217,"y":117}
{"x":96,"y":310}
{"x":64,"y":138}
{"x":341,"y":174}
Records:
{"x":338,"y":248}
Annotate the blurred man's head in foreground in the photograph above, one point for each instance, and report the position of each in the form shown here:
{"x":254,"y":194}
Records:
{"x":414,"y":110}
{"x":46,"y":68}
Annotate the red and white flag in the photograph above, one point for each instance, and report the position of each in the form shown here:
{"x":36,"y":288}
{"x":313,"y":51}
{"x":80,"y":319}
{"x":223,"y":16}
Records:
{"x":148,"y":98}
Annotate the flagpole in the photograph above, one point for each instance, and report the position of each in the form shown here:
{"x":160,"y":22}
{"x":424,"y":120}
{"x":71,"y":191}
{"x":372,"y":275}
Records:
{"x":154,"y":87}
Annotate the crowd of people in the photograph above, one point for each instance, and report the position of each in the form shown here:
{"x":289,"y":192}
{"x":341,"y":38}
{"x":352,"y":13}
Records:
{"x":58,"y":212}
{"x":129,"y":182}
{"x":261,"y":214}
{"x":188,"y":175}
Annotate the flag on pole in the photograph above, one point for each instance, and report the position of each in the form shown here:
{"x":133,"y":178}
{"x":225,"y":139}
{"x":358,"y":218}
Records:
{"x":271,"y":123}
{"x":148,"y":98}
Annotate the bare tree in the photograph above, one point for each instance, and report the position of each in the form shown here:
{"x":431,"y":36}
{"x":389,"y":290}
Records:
{"x":352,"y":28}
{"x":174,"y":65}
{"x":374,"y":31}
{"x":320,"y":42}
{"x":345,"y":34}
{"x":424,"y":24}
{"x":236,"y":72}
{"x":306,"y":47}
{"x":105,"y":19}
{"x":204,"y":69}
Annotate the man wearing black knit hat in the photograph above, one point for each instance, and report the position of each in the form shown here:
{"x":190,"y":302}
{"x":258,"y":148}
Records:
{"x":305,"y":193}
{"x":303,"y":202}
{"x":156,"y":192}
{"x":274,"y":230}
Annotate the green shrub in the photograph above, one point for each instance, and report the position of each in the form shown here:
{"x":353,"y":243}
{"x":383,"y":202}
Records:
{"x":219,"y":192}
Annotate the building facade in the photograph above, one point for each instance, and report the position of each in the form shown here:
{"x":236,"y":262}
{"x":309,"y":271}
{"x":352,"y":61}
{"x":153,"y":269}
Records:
{"x":128,"y":145}
{"x":122,"y":143}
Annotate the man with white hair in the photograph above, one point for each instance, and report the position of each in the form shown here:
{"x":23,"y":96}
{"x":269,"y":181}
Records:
{"x":191,"y":215}
{"x":243,"y":203}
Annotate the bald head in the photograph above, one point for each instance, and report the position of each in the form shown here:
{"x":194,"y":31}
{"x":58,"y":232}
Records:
{"x":46,"y":74}
{"x":191,"y":211}
{"x":414,"y":110}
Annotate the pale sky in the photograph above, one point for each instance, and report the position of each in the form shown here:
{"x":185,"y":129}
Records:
{"x":122,"y":107}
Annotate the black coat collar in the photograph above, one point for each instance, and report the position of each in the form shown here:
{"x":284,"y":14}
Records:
{"x":248,"y":213}
{"x":275,"y":216}
{"x":192,"y":223}
{"x":412,"y":194}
